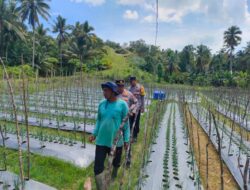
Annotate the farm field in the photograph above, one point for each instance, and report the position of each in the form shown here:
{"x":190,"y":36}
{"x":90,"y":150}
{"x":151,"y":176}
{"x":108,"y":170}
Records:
{"x":124,"y":95}
{"x":194,"y":139}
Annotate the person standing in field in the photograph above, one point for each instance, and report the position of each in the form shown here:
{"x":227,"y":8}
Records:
{"x":111,"y":112}
{"x":126,"y":95}
{"x":139,"y":92}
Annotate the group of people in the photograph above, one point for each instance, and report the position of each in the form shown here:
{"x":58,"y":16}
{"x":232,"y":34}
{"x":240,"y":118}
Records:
{"x":119,"y":103}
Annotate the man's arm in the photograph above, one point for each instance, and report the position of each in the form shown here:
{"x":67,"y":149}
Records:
{"x":98,"y":120}
{"x":133,"y":99}
{"x":133,"y":102}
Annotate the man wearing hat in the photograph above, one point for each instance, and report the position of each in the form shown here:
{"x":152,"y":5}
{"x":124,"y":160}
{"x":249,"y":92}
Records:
{"x":126,"y":95}
{"x":111,"y":112}
{"x":139,"y":92}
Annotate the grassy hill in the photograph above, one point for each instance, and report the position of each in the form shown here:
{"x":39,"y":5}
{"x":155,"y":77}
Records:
{"x":122,"y":67}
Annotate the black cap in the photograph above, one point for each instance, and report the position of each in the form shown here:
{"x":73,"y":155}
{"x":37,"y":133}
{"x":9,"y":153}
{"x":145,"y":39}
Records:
{"x":132,"y":78}
{"x":120,"y":82}
{"x":110,"y":85}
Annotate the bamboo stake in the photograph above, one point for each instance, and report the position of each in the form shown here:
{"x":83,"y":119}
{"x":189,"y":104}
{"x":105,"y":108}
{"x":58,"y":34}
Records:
{"x":26,"y":120}
{"x":219,"y":150}
{"x":20,"y":159}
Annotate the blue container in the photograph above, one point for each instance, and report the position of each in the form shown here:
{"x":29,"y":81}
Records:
{"x":159,"y":95}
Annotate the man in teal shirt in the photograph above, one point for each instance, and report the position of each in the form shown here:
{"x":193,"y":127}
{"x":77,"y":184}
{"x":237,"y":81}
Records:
{"x":111,"y":112}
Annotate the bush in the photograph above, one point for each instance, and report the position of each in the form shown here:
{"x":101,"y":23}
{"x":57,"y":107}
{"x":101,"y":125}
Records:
{"x":121,"y":51}
{"x":74,"y":64}
{"x":241,"y":79}
{"x":178,"y":78}
{"x":217,"y":79}
{"x":201,"y":80}
{"x":1,"y":73}
{"x":105,"y":64}
{"x":28,"y":70}
{"x":15,"y":72}
{"x":99,"y":64}
{"x":229,"y":80}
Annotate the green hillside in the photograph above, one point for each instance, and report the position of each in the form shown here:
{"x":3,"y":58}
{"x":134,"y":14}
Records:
{"x":123,"y":66}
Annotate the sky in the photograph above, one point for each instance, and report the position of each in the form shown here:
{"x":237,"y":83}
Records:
{"x":181,"y":22}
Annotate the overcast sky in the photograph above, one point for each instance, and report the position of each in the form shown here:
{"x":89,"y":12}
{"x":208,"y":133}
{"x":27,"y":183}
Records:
{"x":181,"y":22}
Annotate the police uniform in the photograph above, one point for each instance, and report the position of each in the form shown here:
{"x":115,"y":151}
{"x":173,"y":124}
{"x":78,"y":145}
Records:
{"x":139,"y":92}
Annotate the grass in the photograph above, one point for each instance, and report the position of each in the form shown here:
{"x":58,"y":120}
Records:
{"x":65,"y":176}
{"x":213,"y":162}
{"x":130,"y":179}
{"x":51,"y":171}
{"x":122,"y":67}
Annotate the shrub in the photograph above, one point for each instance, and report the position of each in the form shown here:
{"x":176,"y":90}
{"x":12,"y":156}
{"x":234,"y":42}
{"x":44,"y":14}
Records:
{"x":16,"y":71}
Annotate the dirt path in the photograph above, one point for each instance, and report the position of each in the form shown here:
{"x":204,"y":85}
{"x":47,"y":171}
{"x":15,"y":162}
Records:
{"x":198,"y":135}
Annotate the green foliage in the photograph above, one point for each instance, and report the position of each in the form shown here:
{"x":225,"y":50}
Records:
{"x":105,"y":64}
{"x":28,"y":70}
{"x":148,"y":65}
{"x":223,"y":79}
{"x":113,"y":45}
{"x":16,"y":71}
{"x":124,"y":66}
{"x":50,"y":63}
{"x":77,"y":48}
{"x":232,"y":39}
{"x":159,"y":72}
{"x":187,"y":58}
{"x":217,"y":79}
{"x":203,"y":58}
{"x":179,"y":78}
{"x":50,"y":171}
{"x":100,"y":64}
{"x":139,"y":47}
{"x":74,"y":63}
{"x":241,"y":79}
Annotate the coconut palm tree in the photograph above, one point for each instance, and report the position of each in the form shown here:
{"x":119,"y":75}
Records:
{"x":172,"y":60}
{"x":62,"y":29}
{"x":10,"y":25}
{"x":203,"y":58}
{"x":41,"y":45}
{"x":31,"y":10}
{"x":41,"y":31}
{"x":231,"y":40}
{"x":187,"y":58}
{"x":83,"y":39}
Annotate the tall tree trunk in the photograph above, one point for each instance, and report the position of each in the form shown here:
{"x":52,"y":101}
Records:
{"x":6,"y":53}
{"x":33,"y":48}
{"x":231,"y":61}
{"x":60,"y":55}
{"x":1,"y":36}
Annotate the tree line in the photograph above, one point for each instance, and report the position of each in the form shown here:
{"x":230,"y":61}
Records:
{"x":197,"y":65}
{"x":25,"y":40}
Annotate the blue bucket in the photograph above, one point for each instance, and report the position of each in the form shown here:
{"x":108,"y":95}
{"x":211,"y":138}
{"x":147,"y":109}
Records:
{"x":159,"y":95}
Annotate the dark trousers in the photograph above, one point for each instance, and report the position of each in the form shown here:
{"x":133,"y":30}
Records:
{"x":100,"y":155}
{"x":137,"y":124}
